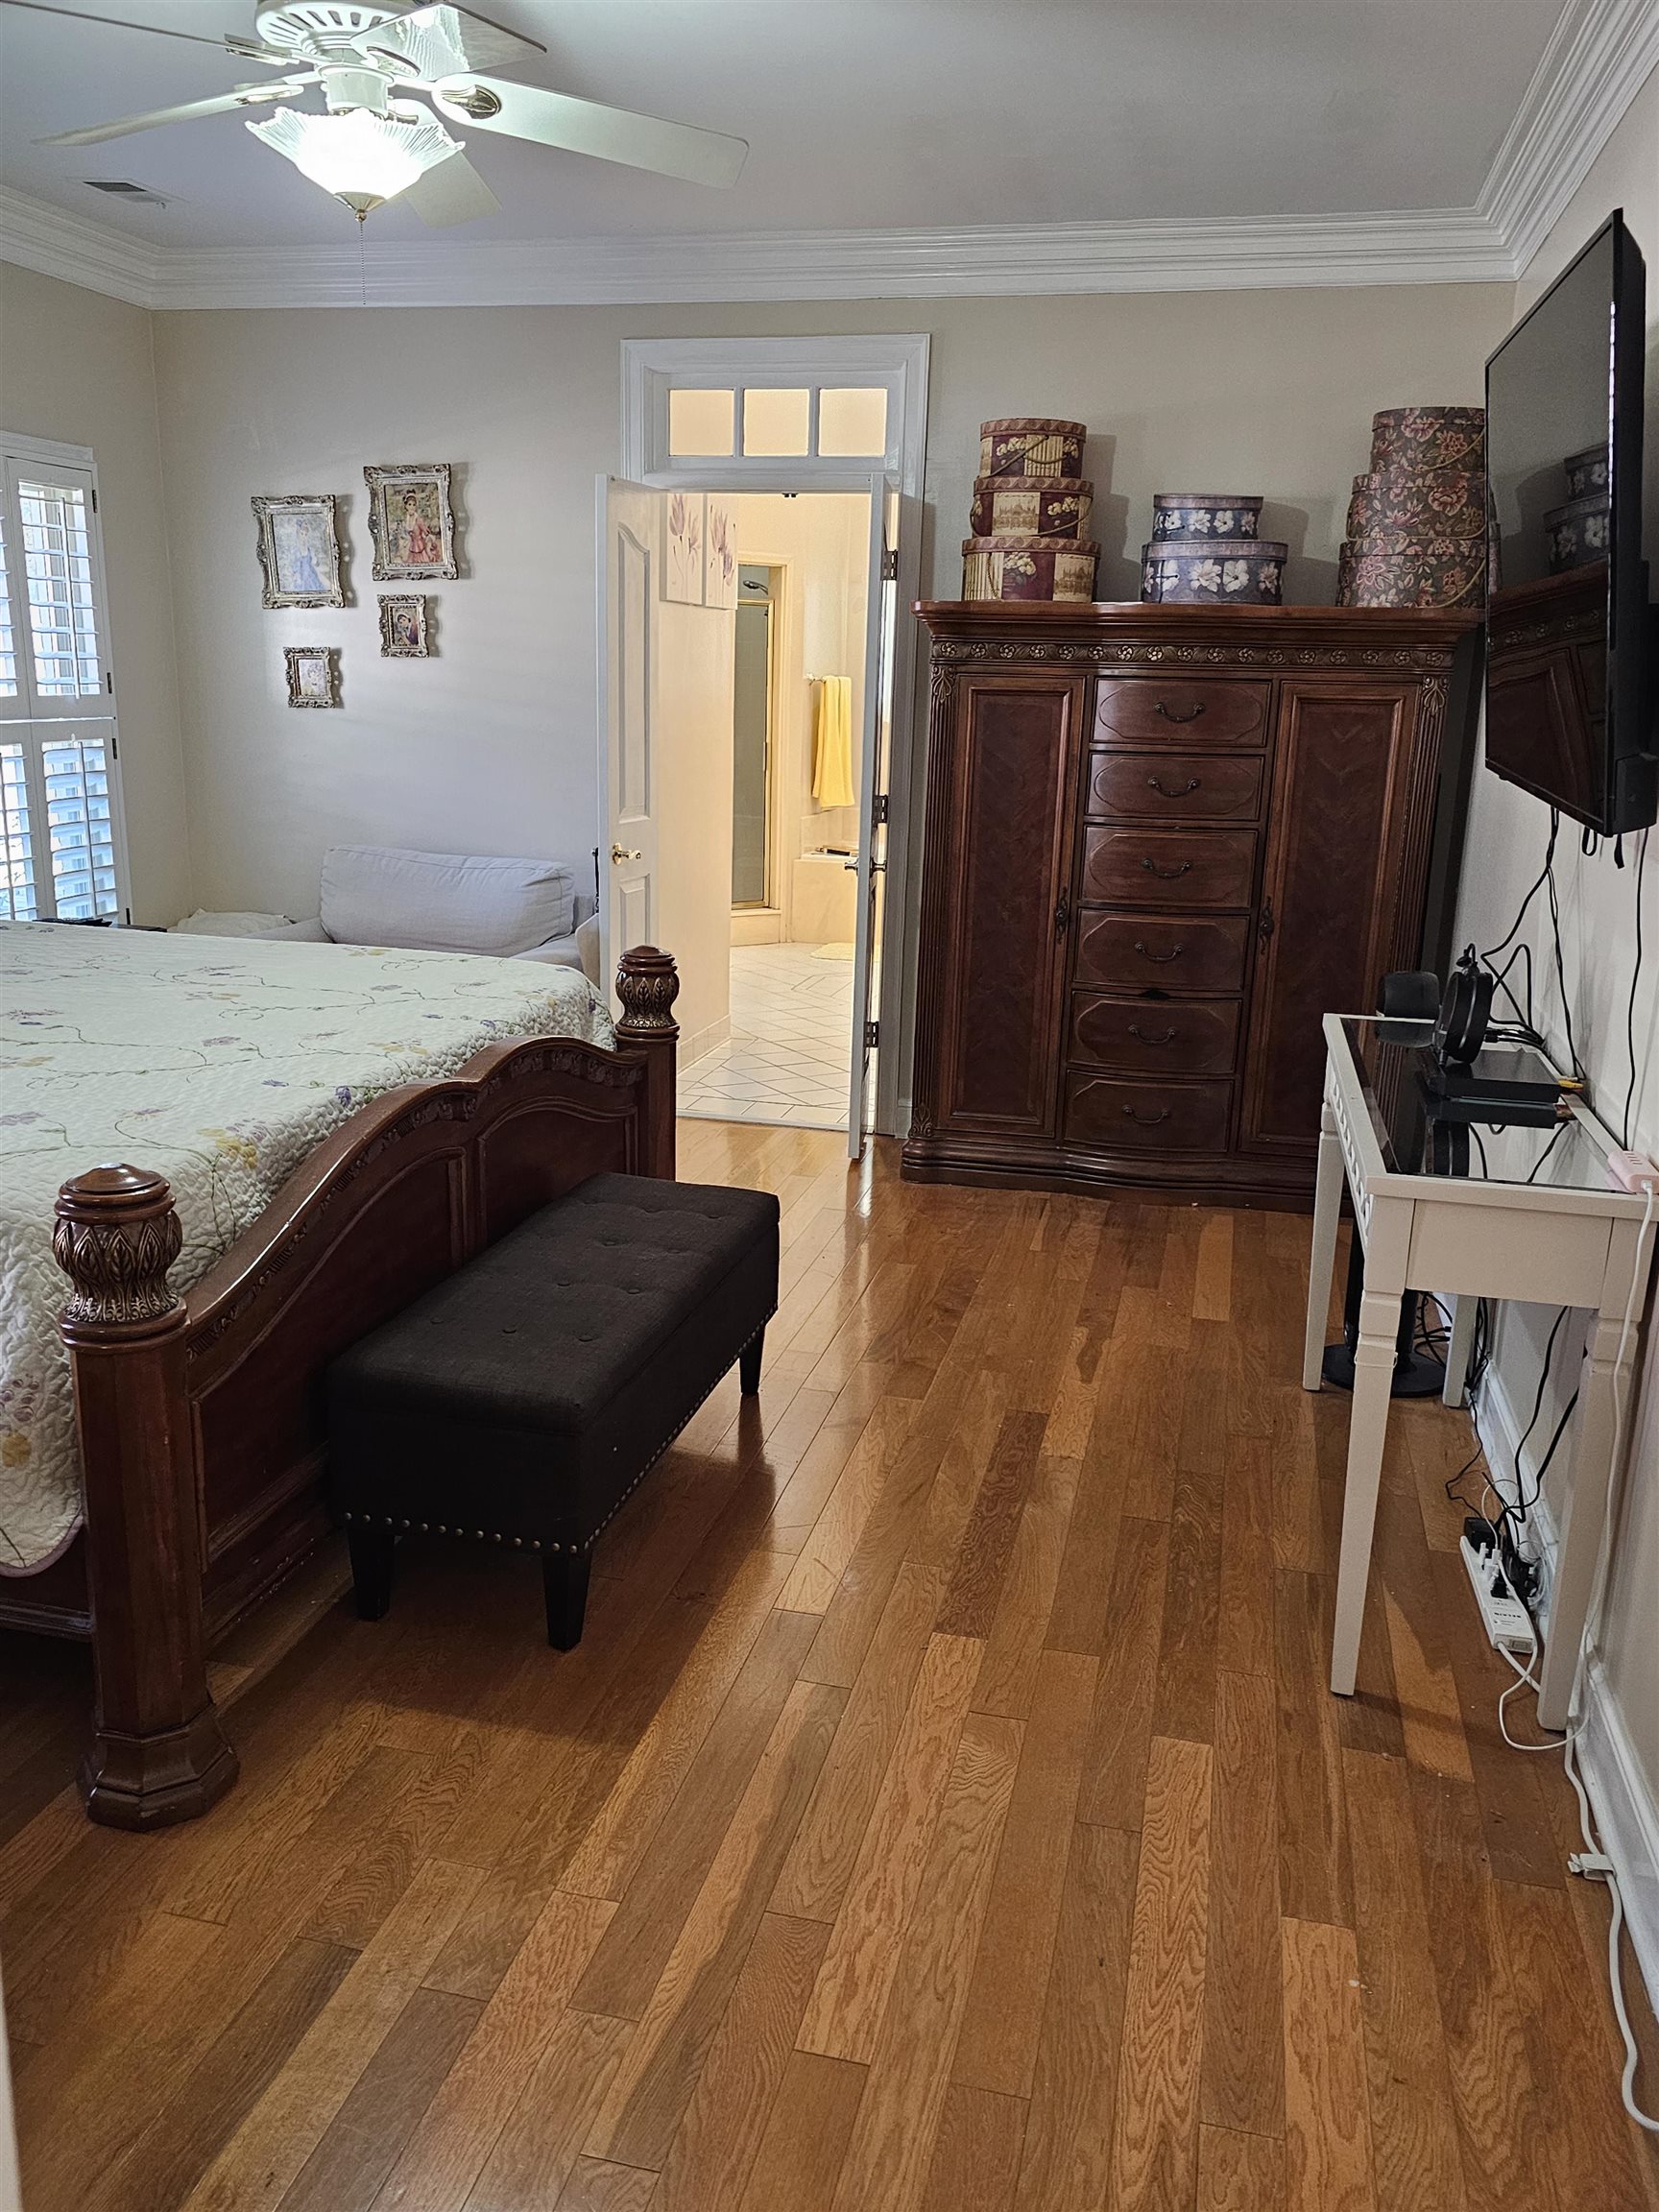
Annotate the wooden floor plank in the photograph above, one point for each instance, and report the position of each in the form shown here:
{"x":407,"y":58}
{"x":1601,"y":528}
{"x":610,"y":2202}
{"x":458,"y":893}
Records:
{"x":976,"y":2154}
{"x":1414,"y":2140}
{"x":804,"y":2142}
{"x":1239,"y":2173}
{"x":845,"y":2013}
{"x":1155,"y":2134}
{"x":1244,"y":2079}
{"x":996,"y":2049}
{"x":1327,"y":2129}
{"x":891,"y":2147}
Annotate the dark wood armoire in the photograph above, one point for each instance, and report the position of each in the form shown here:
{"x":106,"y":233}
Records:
{"x":1160,"y":842}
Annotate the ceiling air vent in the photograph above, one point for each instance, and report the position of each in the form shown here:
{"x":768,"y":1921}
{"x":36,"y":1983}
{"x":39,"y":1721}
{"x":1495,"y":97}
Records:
{"x":119,"y":189}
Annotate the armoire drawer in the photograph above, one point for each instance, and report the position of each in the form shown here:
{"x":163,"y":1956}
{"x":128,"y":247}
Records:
{"x":1180,"y":710}
{"x":1125,"y":1115}
{"x":1175,"y":786}
{"x":1168,"y":867}
{"x":1155,"y":1036}
{"x":1163,"y":952}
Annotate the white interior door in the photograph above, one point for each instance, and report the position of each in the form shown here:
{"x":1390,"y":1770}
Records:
{"x":875,"y":762}
{"x":630,"y":548}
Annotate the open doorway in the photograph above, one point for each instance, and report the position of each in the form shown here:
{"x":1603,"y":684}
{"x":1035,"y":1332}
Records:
{"x":799,"y":674}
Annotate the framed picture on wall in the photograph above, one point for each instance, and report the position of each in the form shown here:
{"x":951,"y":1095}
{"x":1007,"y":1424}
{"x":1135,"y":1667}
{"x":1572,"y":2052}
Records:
{"x":683,"y":547}
{"x":719,"y":551}
{"x":404,"y":630}
{"x":313,"y":675}
{"x":411,"y":521}
{"x":300,"y":550}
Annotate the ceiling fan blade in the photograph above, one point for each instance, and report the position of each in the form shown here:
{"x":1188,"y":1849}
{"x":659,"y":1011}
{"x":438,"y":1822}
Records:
{"x":245,"y":96}
{"x":443,"y":41}
{"x":585,"y":127}
{"x":452,"y":192}
{"x":248,"y":48}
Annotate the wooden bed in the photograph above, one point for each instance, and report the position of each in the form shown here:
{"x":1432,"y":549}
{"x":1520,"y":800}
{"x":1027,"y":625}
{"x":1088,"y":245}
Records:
{"x":200,"y":1419}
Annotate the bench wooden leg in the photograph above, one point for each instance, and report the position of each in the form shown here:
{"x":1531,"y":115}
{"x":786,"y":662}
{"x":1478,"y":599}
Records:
{"x":564,"y":1586}
{"x":372,"y":1551}
{"x":748,"y":1365}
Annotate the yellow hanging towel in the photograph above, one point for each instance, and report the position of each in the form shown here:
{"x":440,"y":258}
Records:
{"x":832,"y":743}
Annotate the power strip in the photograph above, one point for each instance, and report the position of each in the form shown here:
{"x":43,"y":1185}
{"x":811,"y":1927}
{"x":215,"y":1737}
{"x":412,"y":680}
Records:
{"x":1508,"y":1625}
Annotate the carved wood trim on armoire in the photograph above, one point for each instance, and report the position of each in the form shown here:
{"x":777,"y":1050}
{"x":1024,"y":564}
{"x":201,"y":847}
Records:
{"x":1160,"y":843}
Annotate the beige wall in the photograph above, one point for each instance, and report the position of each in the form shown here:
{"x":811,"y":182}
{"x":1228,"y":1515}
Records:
{"x":490,"y":747}
{"x":78,"y":368}
{"x":1505,"y":844}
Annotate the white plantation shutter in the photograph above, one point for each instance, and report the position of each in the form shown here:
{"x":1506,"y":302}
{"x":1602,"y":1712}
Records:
{"x":62,"y":849}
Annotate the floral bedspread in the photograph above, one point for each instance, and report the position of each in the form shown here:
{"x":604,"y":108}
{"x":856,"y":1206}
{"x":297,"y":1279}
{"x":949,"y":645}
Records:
{"x":220,"y":1062}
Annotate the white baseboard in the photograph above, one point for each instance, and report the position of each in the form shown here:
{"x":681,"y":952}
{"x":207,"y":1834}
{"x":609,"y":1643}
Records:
{"x":697,"y":1046}
{"x":1626,"y":1819}
{"x":1626,"y":1813}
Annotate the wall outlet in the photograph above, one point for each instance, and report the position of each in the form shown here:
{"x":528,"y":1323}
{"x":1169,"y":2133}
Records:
{"x":1508,"y":1625}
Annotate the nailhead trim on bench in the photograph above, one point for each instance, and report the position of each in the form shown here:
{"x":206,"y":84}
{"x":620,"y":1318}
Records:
{"x":534,"y":1543}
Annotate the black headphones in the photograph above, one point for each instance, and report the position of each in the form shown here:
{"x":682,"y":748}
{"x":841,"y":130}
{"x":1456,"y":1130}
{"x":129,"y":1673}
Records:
{"x":1461,"y":1025}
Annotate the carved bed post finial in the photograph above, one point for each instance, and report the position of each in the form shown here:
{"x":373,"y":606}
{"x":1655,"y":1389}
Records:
{"x":157,"y":1754}
{"x":115,"y":1237}
{"x":648,"y":983}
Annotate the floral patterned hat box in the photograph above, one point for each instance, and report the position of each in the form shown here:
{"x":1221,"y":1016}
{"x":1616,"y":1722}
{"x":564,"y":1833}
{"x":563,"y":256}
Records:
{"x":1032,"y":507}
{"x":1023,"y":568}
{"x":1213,"y":571}
{"x":1207,"y":514}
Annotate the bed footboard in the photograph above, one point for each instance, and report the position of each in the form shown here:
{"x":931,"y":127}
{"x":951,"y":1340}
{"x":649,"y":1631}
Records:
{"x":200,"y":1418}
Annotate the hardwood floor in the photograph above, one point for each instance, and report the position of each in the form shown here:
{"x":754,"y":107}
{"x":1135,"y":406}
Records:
{"x":944,"y":1812}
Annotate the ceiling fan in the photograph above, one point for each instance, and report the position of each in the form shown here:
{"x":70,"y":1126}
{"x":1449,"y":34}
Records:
{"x":371,"y":143}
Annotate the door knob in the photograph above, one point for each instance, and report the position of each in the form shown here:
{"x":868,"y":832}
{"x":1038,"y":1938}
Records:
{"x":621,"y":853}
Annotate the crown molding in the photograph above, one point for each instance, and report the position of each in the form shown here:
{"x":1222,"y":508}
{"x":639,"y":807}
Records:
{"x":55,"y":243}
{"x":1597,"y":60}
{"x":1001,"y":261}
{"x":1599,"y":56}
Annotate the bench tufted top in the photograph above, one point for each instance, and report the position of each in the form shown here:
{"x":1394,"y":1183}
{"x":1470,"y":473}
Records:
{"x":549,"y":1325}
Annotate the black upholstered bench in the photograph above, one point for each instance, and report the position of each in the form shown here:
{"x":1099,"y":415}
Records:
{"x":523,"y":1398}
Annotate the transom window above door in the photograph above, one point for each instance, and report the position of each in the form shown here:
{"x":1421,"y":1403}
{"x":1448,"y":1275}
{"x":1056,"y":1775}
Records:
{"x":794,"y":409}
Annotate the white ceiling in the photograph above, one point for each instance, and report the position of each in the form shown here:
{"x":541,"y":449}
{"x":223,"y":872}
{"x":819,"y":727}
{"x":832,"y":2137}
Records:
{"x":862,"y":115}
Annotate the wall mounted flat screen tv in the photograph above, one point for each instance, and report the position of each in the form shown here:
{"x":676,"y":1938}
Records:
{"x":1570,"y":630}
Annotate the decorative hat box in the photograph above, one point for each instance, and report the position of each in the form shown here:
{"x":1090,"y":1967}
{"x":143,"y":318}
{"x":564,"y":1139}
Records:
{"x":1420,"y":572}
{"x":1213,"y":571}
{"x":1428,"y":437}
{"x":1433,"y":503}
{"x":1031,"y":506}
{"x":1206,"y":514}
{"x":1031,"y":445}
{"x":1021,"y":568}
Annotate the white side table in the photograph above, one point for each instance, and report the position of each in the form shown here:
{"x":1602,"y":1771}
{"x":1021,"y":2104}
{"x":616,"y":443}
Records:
{"x":1534,"y":1220}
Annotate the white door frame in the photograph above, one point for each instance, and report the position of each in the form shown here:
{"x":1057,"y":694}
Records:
{"x":652,"y":368}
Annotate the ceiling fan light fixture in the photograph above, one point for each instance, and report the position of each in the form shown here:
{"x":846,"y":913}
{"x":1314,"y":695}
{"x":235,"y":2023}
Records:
{"x":361,"y":158}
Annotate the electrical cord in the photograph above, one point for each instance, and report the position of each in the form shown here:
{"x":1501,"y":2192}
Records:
{"x":1630,"y":1007}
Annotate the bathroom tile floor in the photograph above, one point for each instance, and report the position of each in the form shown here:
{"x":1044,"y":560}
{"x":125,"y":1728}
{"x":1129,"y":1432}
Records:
{"x":791,"y":1032}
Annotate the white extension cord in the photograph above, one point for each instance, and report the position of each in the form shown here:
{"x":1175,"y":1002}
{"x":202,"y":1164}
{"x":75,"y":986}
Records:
{"x":1593,"y":1862}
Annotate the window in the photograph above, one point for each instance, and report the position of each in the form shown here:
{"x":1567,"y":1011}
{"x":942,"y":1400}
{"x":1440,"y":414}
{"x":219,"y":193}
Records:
{"x":61,"y":854}
{"x":775,"y":413}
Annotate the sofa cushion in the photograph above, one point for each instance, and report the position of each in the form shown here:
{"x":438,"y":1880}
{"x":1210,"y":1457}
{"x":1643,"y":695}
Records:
{"x":442,"y":901}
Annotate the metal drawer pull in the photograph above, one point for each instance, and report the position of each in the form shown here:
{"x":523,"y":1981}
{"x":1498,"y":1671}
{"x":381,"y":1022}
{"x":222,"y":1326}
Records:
{"x":1147,"y":1120}
{"x":1163,"y":792}
{"x":1136,"y":1030}
{"x":1170,"y":715}
{"x":1146,"y":954}
{"x":1166,"y":874}
{"x":1062,"y":913}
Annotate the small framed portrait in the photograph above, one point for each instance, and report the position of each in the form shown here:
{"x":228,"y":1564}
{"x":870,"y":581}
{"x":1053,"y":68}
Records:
{"x":313,"y":675}
{"x":300,"y":550}
{"x":403,"y":635}
{"x":411,"y":521}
